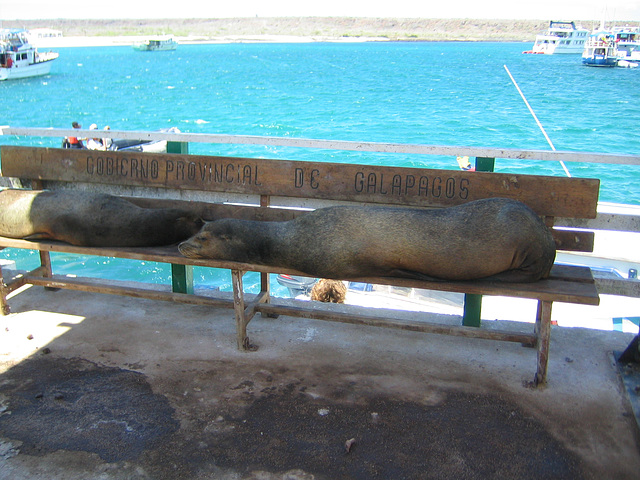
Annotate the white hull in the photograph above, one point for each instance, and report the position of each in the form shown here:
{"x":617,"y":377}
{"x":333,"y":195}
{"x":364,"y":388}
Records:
{"x":627,"y":64}
{"x":33,"y":70}
{"x":560,"y":38}
{"x":560,"y":49}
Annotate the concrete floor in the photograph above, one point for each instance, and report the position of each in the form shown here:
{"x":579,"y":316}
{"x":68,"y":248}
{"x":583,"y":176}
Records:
{"x":97,"y":386}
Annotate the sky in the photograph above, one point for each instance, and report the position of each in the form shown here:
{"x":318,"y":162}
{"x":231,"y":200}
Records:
{"x":609,"y":10}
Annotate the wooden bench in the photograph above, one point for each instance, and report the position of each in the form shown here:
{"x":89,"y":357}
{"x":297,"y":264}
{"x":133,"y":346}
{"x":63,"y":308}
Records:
{"x":267,"y":190}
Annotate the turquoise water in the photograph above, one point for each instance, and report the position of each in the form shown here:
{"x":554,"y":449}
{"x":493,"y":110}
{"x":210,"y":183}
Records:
{"x":428,"y":93}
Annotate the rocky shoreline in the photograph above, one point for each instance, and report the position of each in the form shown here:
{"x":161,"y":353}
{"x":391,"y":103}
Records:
{"x":300,"y":29}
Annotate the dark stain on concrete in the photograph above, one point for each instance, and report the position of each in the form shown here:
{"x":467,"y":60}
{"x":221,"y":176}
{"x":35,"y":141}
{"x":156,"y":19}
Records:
{"x":226,"y":420}
{"x":467,"y":436}
{"x":78,"y":405}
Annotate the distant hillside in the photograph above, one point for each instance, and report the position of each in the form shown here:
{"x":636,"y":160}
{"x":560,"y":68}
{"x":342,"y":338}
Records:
{"x":389,"y":28}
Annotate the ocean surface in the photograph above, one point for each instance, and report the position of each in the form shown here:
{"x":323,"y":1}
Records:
{"x":428,"y":93}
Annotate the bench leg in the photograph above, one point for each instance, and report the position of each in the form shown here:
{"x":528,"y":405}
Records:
{"x":45,"y":268}
{"x":4,"y":291}
{"x":265,"y":292}
{"x":240,"y":313}
{"x":45,"y":262}
{"x":543,"y":334}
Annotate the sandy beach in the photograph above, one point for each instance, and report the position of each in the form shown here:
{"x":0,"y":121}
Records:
{"x":286,"y":30}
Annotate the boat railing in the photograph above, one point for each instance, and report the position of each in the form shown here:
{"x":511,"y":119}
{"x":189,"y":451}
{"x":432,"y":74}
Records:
{"x":600,"y":43}
{"x":42,"y":57}
{"x":624,"y":219}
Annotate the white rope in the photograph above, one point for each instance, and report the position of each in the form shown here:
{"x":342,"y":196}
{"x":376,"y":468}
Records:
{"x":536,"y":119}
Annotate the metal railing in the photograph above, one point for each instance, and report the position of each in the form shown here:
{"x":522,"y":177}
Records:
{"x":407,"y":148}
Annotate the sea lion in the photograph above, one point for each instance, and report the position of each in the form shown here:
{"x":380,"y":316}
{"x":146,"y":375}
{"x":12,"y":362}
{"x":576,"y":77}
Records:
{"x":498,"y":238}
{"x":91,"y":219}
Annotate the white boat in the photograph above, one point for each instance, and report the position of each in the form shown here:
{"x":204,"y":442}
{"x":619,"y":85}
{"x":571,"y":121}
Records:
{"x":627,"y":64}
{"x":627,"y":41}
{"x":560,"y":37}
{"x":149,"y":146}
{"x":600,"y":50}
{"x":156,"y":44}
{"x":21,"y":59}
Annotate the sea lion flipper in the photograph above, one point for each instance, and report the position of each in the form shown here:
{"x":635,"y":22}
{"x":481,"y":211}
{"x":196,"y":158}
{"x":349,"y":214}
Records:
{"x":516,"y":276}
{"x":400,"y":273}
{"x":38,"y":236}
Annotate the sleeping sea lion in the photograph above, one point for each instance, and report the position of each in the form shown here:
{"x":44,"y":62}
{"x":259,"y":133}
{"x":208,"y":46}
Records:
{"x":91,"y":219}
{"x":498,"y":238}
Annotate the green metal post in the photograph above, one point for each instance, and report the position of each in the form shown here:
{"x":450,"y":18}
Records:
{"x":473,"y":302}
{"x":178,"y":147}
{"x":181,"y":275}
{"x":182,"y":278}
{"x":485,"y":164}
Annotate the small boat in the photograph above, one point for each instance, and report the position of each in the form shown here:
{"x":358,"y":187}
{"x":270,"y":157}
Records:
{"x":148,"y":146}
{"x":21,"y":59}
{"x":560,"y":37}
{"x":627,"y":64}
{"x":600,"y":50}
{"x":156,"y":44}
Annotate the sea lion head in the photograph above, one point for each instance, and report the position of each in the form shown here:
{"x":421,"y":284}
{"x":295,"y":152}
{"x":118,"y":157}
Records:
{"x":186,"y":225}
{"x":220,"y":239}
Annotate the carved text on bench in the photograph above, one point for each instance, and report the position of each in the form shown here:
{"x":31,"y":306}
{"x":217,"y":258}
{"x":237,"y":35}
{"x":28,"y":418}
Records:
{"x":230,"y":172}
{"x":421,"y":186}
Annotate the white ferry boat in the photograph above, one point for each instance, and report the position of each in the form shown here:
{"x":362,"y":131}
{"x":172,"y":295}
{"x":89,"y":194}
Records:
{"x":560,"y":37}
{"x":21,"y":59}
{"x":156,"y":44}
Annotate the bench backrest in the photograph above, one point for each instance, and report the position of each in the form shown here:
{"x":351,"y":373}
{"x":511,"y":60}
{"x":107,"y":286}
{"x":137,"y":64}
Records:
{"x":548,"y":196}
